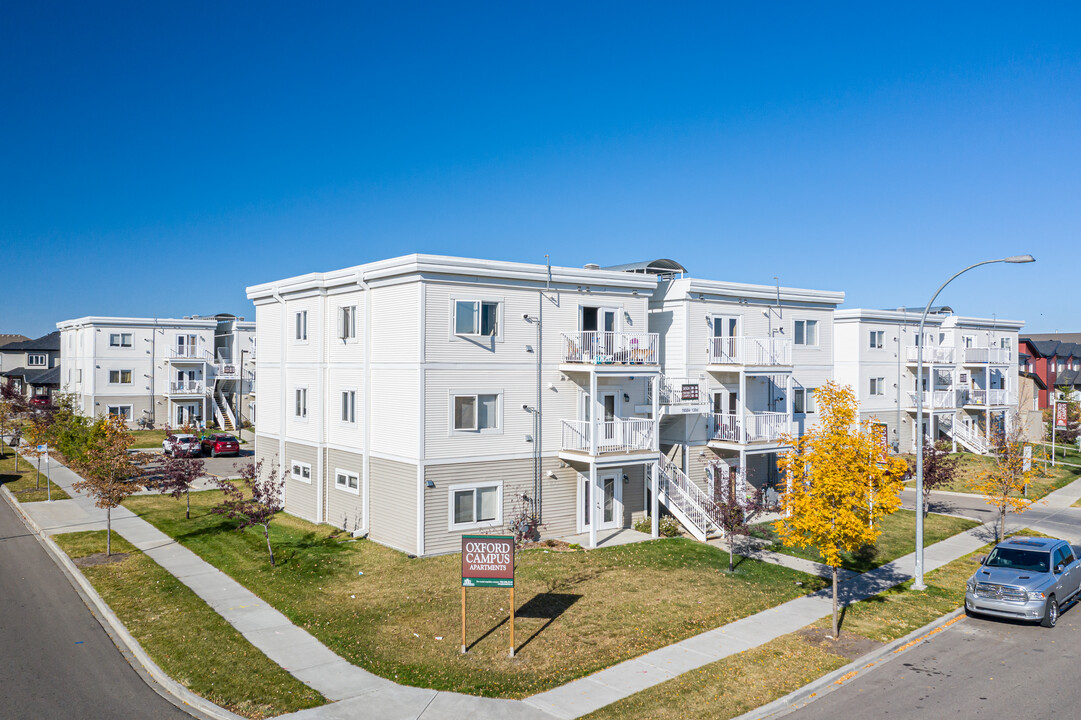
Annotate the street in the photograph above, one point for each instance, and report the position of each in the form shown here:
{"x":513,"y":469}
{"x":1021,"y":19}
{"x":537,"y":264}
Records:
{"x":58,"y":661}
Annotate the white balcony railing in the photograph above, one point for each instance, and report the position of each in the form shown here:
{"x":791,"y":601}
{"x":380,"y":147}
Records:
{"x":757,"y":427}
{"x":613,"y":436}
{"x":932,"y":355}
{"x":226,"y":371}
{"x":611,"y":348}
{"x":938,"y":399}
{"x":186,"y":387}
{"x":990,"y":397}
{"x":681,"y":391}
{"x":191,"y":352}
{"x":742,"y":350}
{"x":995,"y":356}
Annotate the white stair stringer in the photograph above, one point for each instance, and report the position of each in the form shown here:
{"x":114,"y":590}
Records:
{"x":972,"y":441}
{"x":686,"y":501}
{"x":223,"y":412}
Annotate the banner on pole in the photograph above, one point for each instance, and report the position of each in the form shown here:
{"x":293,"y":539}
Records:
{"x":1060,"y":414}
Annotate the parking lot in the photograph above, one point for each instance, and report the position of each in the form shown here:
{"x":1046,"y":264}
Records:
{"x":222,"y":467}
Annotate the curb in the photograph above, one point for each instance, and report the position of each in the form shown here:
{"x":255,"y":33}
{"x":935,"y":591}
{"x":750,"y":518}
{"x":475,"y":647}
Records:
{"x":831,"y":681}
{"x":182,"y":697}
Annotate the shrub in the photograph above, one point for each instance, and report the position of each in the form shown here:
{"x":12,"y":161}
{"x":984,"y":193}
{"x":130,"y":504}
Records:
{"x":668,"y":526}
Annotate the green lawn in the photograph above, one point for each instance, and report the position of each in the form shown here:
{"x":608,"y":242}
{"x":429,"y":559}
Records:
{"x":1046,"y":480}
{"x":185,"y":637}
{"x":898,"y":539}
{"x":577,"y":612}
{"x":742,"y":682}
{"x":23,"y":481}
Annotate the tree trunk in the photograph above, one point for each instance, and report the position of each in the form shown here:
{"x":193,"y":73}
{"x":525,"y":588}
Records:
{"x":731,"y":550}
{"x":108,"y":532}
{"x":187,"y":497}
{"x":836,"y":630}
{"x":1002,"y":524}
{"x":266,"y":532}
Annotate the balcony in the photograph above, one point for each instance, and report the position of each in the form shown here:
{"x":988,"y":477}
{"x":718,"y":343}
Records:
{"x":988,"y":398}
{"x":679,"y":396}
{"x":750,"y":351}
{"x":757,"y":427}
{"x":938,"y":399}
{"x":619,"y":436}
{"x":932,"y":355}
{"x":186,"y":387}
{"x":226,"y":371}
{"x":190,"y":353}
{"x":610,"y":348}
{"x":988,"y":356}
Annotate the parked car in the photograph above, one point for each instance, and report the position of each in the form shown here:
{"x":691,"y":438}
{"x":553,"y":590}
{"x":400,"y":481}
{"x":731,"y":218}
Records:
{"x":1025,"y":578}
{"x":40,"y":401}
{"x":219,"y":444}
{"x":181,"y":445}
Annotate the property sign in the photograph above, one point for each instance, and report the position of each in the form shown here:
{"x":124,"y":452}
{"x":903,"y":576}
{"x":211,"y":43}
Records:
{"x":881,"y":435}
{"x":487,"y":561}
{"x":688,"y":391}
{"x":1026,"y":461}
{"x":1060,"y":415}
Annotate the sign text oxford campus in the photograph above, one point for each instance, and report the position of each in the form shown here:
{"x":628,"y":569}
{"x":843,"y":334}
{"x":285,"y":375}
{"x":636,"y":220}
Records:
{"x":487,"y":561}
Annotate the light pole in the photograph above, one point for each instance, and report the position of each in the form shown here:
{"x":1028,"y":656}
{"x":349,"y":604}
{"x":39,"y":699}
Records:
{"x":918,"y":581}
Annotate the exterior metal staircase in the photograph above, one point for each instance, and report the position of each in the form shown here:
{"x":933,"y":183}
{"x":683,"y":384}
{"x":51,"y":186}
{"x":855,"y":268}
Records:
{"x":694,"y":509}
{"x":972,"y":441}
{"x":222,"y":412}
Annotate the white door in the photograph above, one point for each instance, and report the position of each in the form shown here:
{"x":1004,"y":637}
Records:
{"x":725,"y":332}
{"x":610,"y":511}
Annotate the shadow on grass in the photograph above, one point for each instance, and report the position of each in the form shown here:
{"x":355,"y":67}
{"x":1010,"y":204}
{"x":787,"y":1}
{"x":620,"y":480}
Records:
{"x":544,"y":606}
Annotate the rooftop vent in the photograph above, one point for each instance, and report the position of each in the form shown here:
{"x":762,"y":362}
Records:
{"x":591,"y":266}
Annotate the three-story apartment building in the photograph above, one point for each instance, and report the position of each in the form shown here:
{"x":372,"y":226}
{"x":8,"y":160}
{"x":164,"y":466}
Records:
{"x":161,"y":371}
{"x":969,"y":383}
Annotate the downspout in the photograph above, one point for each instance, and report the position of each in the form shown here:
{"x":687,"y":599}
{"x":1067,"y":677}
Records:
{"x":366,"y":462}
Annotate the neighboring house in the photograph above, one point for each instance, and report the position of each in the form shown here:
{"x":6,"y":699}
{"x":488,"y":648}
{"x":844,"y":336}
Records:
{"x":1055,"y":358}
{"x":7,"y":339}
{"x":1030,"y":387}
{"x":160,"y":371}
{"x":970,"y":381}
{"x":32,"y":366}
{"x":421,"y":398}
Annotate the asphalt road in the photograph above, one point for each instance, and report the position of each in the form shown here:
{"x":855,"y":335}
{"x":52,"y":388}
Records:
{"x":57,"y":661}
{"x":977,"y":668}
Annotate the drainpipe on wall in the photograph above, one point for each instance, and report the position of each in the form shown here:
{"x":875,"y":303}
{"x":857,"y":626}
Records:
{"x":366,"y":462}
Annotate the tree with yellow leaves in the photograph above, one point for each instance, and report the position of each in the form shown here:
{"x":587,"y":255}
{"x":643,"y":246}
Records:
{"x":839,"y":483}
{"x":1004,"y":485}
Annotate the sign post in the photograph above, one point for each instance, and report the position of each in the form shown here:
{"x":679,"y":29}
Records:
{"x":488,"y":561}
{"x":1061,"y":421}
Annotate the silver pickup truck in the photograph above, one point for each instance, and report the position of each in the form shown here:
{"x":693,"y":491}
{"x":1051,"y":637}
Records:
{"x":1025,"y":578}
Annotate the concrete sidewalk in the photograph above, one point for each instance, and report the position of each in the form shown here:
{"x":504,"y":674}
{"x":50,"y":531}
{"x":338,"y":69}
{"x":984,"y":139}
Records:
{"x":360,"y":693}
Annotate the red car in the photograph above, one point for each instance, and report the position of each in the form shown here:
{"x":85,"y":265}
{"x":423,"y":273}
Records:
{"x":218,"y":444}
{"x":40,"y":401}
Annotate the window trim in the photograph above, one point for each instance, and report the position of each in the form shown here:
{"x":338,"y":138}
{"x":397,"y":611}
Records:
{"x":352,"y":406}
{"x":497,"y":522}
{"x":339,"y":472}
{"x":130,"y":415}
{"x":877,"y":339}
{"x":806,"y":396}
{"x":296,"y":403}
{"x":294,"y":464}
{"x":500,"y":304}
{"x":817,"y":331}
{"x":298,"y":325}
{"x":877,"y":387}
{"x":349,"y":311}
{"x":44,"y":357}
{"x":120,"y":339}
{"x":120,"y":380}
{"x":475,"y":394}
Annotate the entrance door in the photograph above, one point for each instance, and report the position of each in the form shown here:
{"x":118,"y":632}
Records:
{"x":610,"y":511}
{"x":185,"y":345}
{"x":188,"y":413}
{"x":725,"y":331}
{"x":602,"y":323}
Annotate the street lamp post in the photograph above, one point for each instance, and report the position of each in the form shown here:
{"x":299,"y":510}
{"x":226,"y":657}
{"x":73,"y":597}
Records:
{"x":918,"y":583}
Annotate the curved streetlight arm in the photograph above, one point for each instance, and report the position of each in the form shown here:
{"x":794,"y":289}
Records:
{"x":918,"y":583}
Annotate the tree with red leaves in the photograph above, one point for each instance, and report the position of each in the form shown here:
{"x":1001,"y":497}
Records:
{"x":735,"y":512}
{"x":255,"y":501}
{"x":176,"y":475}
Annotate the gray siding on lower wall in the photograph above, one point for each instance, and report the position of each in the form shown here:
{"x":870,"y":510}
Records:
{"x":634,"y":494}
{"x":344,"y":510}
{"x":393,"y":497}
{"x":140,"y":405}
{"x":559,"y":499}
{"x":697,"y":464}
{"x":300,"y":497}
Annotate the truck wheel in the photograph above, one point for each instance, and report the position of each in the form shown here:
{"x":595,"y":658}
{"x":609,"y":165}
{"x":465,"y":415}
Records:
{"x":1050,"y":613}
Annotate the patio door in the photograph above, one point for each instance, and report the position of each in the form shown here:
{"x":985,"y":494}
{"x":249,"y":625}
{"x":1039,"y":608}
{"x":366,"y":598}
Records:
{"x":185,"y":345}
{"x":725,"y":332}
{"x":610,"y":512}
{"x":188,"y":413}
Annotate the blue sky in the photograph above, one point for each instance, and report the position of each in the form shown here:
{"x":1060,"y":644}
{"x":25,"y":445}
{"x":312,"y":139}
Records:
{"x":157,"y":158}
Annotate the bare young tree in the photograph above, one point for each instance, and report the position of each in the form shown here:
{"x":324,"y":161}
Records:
{"x":939,"y":470}
{"x":255,"y":502}
{"x":176,"y":476}
{"x":735,"y":512}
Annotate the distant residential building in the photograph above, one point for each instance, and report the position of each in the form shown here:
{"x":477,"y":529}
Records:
{"x":32,"y":366}
{"x":161,"y":371}
{"x":1055,"y":358}
{"x":969,"y":385}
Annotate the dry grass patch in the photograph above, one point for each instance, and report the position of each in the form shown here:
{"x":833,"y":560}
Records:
{"x":184,"y":636}
{"x":25,"y":483}
{"x":577,"y":612}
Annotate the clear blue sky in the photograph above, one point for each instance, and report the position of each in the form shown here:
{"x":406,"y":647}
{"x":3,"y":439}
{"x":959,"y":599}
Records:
{"x":156,"y":158}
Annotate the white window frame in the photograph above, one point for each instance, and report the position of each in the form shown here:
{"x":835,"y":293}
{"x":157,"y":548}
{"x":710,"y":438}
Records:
{"x":478,"y":301}
{"x":122,"y":340}
{"x":344,"y":487}
{"x":42,"y":360}
{"x":120,"y":376}
{"x":349,"y":403}
{"x":347,"y":323}
{"x":305,"y":471}
{"x":300,"y":326}
{"x":300,"y":403}
{"x":453,"y":489}
{"x":127,"y":418}
{"x":878,"y":387}
{"x":877,"y":339}
{"x":803,"y":396}
{"x":475,"y":394}
{"x":796,"y":328}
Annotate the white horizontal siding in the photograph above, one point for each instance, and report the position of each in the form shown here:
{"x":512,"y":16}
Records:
{"x":396,"y":323}
{"x":395,"y":412}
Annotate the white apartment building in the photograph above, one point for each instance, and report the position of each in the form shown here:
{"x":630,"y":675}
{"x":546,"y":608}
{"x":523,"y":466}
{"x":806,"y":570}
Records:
{"x":155,"y":372}
{"x":420,"y":398}
{"x":970,"y":378}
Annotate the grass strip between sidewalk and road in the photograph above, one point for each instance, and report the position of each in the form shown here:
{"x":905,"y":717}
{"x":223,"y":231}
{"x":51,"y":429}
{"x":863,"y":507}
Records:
{"x":576,"y":612}
{"x":897,"y":540}
{"x":23,"y":481}
{"x":1046,"y":478}
{"x":739,"y":683}
{"x":182,"y":634}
